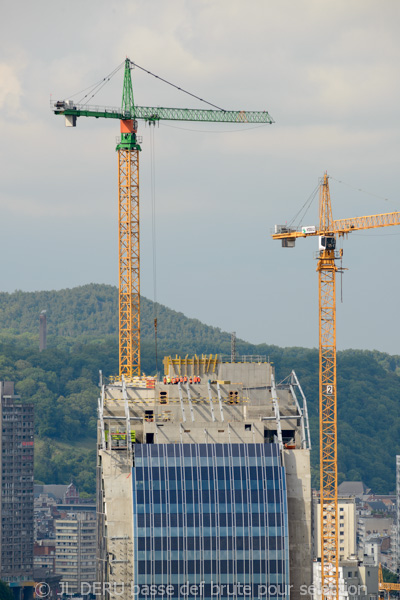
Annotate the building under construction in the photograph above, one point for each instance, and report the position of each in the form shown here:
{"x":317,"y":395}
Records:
{"x":205,"y":485}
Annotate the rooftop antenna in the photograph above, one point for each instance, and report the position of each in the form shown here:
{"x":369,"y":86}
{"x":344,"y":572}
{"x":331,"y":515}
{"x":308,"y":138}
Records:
{"x":42,"y":331}
{"x":233,"y":346}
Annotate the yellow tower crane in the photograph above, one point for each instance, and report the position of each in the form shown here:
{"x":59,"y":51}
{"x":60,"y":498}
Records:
{"x":386,"y":586}
{"x":327,"y":232}
{"x":128,"y":191}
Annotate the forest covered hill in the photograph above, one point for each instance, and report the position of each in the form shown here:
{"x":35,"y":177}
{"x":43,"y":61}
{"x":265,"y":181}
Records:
{"x":62,"y":381}
{"x":90,"y":312}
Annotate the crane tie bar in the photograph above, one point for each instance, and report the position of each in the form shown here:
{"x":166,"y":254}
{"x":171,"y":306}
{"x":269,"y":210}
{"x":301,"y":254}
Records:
{"x":176,"y":87}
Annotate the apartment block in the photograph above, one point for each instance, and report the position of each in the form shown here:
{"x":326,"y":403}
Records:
{"x":16,"y":503}
{"x":347,"y":528}
{"x":76,"y":547}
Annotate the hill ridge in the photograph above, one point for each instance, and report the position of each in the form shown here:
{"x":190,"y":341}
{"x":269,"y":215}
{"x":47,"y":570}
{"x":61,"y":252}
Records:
{"x":82,"y":334}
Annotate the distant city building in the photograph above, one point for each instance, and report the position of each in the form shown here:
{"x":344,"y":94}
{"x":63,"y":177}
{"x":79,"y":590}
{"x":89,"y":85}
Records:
{"x":357,"y":581}
{"x":55,"y":491}
{"x":372,"y":549}
{"x":54,"y":502}
{"x":44,"y":513}
{"x":44,"y":556}
{"x":376,"y":506}
{"x":76,"y":546}
{"x":42,"y":331}
{"x":16,"y":504}
{"x":347,"y":527}
{"x":371,"y":527}
{"x":71,"y":495}
{"x":388,"y":552}
{"x":397,"y":544}
{"x":388,"y":500}
{"x":376,"y":530}
{"x":62,"y":494}
{"x":358,"y":489}
{"x":45,"y":570}
{"x":358,"y":574}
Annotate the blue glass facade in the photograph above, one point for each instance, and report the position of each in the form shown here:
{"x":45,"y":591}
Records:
{"x":210,"y":521}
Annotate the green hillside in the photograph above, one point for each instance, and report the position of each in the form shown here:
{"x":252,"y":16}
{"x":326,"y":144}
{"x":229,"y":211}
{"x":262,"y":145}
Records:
{"x":90,"y":312}
{"x":62,"y":381}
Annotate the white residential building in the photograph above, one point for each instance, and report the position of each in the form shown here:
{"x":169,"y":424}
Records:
{"x":346,"y":528}
{"x":356,"y":581}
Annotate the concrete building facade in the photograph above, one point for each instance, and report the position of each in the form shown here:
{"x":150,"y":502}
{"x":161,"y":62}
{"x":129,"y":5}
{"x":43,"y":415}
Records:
{"x":16,"y":476}
{"x":205,"y":483}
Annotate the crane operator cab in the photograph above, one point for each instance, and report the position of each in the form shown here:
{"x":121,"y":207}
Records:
{"x":327,"y":242}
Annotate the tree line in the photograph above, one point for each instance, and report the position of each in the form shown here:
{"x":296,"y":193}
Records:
{"x":62,"y":381}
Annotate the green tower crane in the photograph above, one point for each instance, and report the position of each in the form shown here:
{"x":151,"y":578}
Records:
{"x":128,"y":191}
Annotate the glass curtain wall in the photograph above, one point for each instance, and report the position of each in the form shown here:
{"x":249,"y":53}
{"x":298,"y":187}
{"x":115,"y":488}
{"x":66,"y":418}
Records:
{"x":210,"y":521}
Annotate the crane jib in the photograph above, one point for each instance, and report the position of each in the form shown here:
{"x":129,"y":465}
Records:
{"x":338,"y":226}
{"x":67,"y":108}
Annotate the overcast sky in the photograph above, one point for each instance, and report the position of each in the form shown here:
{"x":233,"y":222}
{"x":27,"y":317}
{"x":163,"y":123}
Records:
{"x":327,"y":72}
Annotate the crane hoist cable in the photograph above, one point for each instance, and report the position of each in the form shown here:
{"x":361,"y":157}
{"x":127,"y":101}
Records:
{"x":241,"y":130}
{"x":154,"y":232}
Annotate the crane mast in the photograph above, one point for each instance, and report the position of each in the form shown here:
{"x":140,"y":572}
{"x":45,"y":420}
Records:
{"x":129,"y":237}
{"x":128,"y":150}
{"x":328,"y":230}
{"x":327,"y":395}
